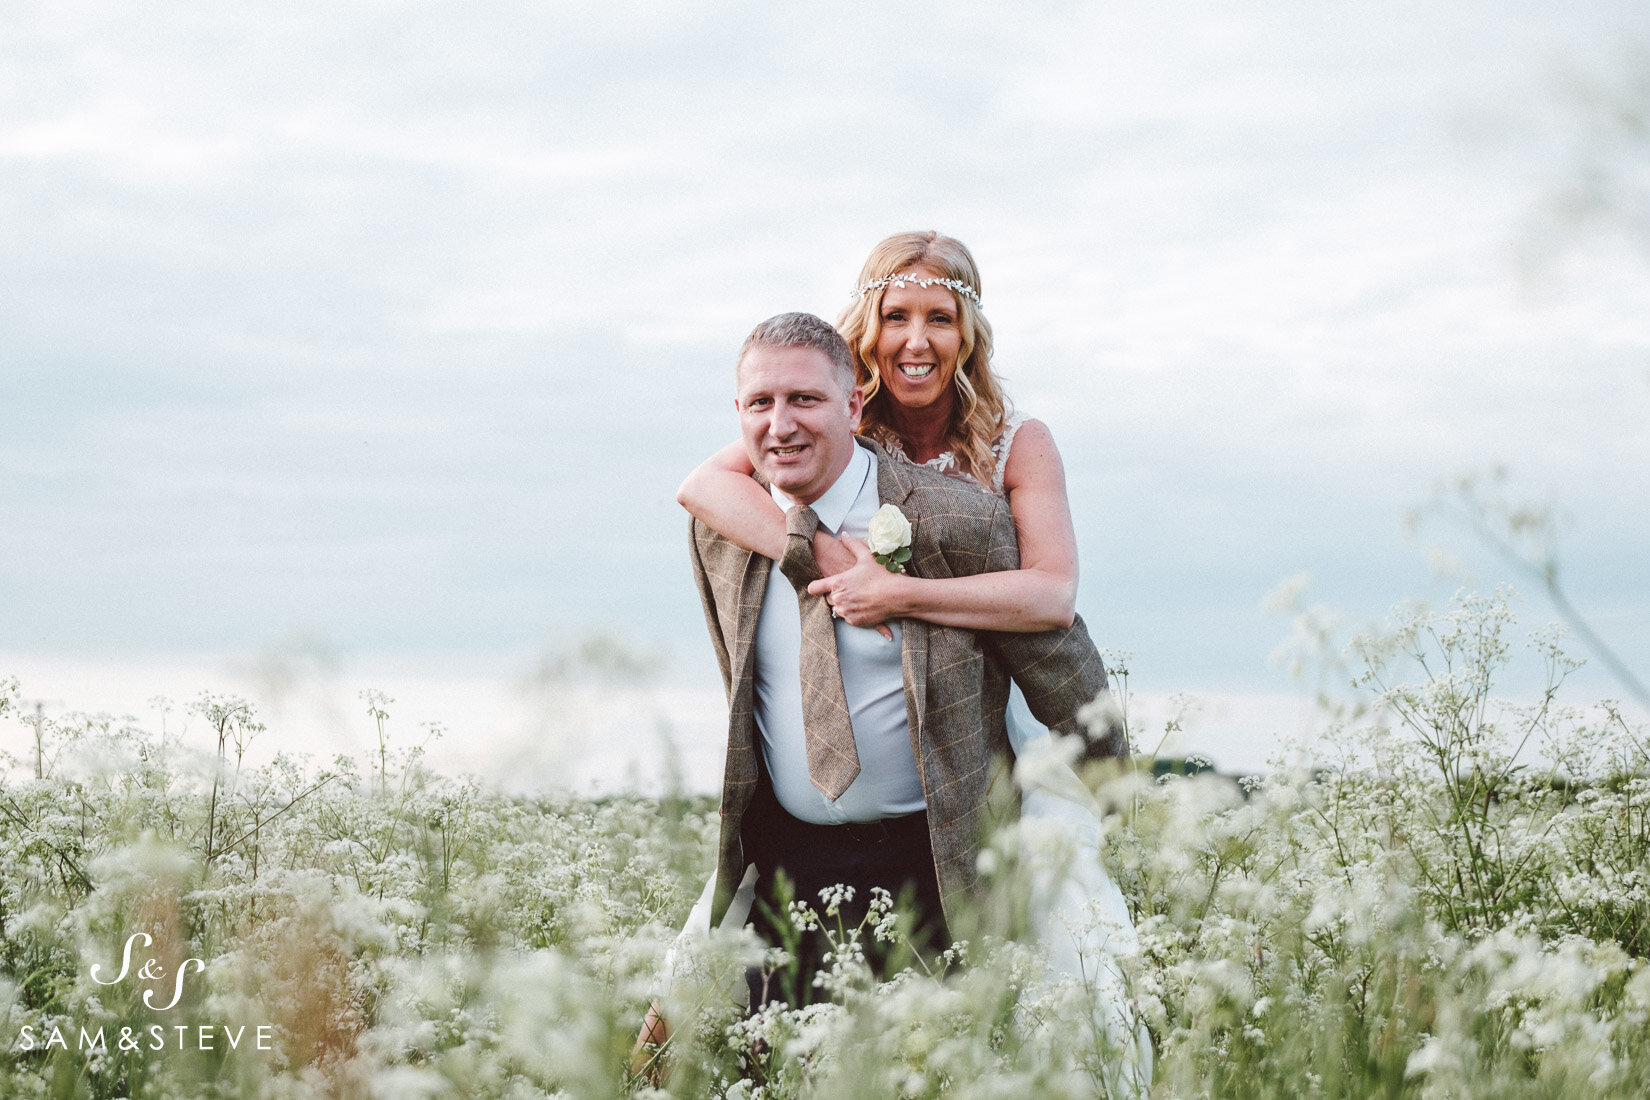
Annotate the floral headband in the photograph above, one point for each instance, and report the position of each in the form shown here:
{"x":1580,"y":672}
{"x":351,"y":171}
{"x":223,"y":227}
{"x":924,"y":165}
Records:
{"x":905,"y":278}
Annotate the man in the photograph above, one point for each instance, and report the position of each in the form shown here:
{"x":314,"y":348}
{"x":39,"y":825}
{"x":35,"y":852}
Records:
{"x":853,"y":758}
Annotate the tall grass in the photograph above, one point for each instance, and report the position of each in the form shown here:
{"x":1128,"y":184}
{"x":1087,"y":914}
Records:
{"x":1455,"y":902}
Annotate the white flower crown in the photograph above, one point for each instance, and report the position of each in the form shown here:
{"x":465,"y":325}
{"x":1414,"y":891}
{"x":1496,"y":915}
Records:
{"x":905,"y":278}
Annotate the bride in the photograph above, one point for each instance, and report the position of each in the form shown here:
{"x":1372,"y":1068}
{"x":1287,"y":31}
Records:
{"x":923,"y":357}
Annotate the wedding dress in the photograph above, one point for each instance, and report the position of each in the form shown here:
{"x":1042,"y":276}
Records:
{"x":1074,"y":910}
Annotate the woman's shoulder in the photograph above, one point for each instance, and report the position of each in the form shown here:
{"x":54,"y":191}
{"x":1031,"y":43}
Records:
{"x":1029,"y":455}
{"x":1019,"y":427}
{"x":1033,"y":435}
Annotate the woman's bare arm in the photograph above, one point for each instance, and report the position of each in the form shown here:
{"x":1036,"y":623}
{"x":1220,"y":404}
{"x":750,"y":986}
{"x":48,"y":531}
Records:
{"x":1040,"y":595}
{"x":722,"y":495}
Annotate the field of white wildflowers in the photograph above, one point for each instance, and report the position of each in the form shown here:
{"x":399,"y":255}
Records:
{"x":1455,"y":902}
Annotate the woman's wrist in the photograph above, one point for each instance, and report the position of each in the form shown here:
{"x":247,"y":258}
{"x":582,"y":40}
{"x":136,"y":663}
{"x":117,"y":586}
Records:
{"x":905,"y":594}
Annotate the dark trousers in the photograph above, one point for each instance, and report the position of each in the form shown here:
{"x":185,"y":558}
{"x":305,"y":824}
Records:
{"x":796,"y":860}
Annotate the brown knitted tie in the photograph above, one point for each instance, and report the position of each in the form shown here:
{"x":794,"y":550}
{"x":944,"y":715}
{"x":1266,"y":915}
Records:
{"x":833,"y":762}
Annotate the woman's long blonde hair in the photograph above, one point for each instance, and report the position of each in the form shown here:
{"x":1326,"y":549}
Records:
{"x":977,"y":417}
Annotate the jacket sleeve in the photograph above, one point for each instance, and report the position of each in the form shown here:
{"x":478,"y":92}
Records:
{"x":1059,"y":671}
{"x":697,"y":532}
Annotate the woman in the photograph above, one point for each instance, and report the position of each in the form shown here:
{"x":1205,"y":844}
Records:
{"x":923,"y":353}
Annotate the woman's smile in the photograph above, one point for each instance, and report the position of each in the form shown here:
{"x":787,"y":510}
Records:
{"x":919,"y":341}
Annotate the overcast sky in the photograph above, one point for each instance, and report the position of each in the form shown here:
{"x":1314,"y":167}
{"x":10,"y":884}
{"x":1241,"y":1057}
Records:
{"x":394,"y":326}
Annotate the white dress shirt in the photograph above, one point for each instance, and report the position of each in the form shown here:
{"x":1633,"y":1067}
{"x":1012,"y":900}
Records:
{"x":872,"y":679}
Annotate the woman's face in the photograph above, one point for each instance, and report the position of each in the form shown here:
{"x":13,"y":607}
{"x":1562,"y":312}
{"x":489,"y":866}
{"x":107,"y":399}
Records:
{"x":918,"y":342}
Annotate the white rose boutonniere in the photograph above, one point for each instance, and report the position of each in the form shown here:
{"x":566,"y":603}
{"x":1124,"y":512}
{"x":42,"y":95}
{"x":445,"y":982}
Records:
{"x":889,"y":538}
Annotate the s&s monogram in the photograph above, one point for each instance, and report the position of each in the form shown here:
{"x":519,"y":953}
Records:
{"x":150,"y":971}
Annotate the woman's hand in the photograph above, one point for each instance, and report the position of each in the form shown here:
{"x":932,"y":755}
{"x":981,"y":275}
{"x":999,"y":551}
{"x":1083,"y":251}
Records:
{"x":866,"y":594}
{"x":647,"y":1057}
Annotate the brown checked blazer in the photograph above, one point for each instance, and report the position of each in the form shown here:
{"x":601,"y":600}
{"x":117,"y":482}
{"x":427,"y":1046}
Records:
{"x":956,"y":681}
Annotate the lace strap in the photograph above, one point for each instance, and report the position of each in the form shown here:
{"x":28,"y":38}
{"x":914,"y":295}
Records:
{"x":1000,"y":449}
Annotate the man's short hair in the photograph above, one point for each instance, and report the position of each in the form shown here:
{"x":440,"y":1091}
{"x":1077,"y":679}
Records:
{"x":803,"y":330}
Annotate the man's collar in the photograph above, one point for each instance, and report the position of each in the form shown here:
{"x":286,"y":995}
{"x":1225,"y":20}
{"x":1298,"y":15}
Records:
{"x":833,"y":505}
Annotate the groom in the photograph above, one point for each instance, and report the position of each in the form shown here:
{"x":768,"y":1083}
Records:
{"x":853,"y":758}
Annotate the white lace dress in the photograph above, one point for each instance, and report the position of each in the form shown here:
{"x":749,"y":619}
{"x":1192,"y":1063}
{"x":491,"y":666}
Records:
{"x":1074,"y":909}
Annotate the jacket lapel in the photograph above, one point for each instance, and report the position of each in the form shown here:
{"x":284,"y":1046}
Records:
{"x":753,"y":586}
{"x":893,"y":488}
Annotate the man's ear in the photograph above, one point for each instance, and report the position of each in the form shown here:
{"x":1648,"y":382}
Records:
{"x":856,"y":407}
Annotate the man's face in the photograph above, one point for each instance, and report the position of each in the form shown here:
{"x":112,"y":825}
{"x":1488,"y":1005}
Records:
{"x":798,"y":424}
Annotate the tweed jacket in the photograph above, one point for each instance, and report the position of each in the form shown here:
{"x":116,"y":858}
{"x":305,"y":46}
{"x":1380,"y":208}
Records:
{"x":956,"y":681}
